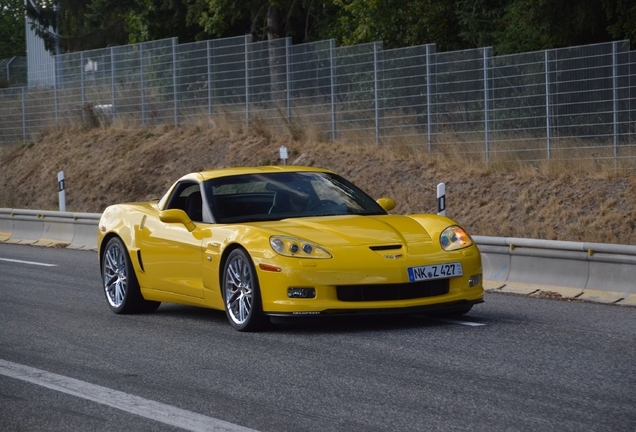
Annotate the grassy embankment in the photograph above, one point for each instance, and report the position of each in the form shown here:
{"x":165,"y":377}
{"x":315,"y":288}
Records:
{"x":103,"y":165}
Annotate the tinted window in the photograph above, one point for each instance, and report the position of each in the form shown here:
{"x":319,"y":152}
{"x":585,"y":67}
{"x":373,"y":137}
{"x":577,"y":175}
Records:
{"x":284,"y":195}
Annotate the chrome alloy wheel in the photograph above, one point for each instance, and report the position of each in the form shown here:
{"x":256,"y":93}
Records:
{"x":239,"y":291}
{"x":115,"y":275}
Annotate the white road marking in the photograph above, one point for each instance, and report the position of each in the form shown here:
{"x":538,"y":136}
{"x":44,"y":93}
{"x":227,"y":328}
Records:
{"x":133,"y":404}
{"x":466,"y":323}
{"x":28,"y":262}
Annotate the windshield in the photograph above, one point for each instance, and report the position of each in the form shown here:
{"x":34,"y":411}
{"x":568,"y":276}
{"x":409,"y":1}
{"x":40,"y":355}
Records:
{"x":275,"y":196}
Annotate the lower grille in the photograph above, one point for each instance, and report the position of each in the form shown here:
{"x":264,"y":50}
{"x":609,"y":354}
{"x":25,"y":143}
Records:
{"x":358,"y":293}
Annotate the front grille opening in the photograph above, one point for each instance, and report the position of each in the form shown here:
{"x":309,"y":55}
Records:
{"x":383,"y":248}
{"x":358,"y":293}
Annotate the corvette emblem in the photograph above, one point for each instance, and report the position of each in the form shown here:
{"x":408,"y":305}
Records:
{"x":394,"y":256}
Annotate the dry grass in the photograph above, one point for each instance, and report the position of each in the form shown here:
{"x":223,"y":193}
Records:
{"x":587,"y":201}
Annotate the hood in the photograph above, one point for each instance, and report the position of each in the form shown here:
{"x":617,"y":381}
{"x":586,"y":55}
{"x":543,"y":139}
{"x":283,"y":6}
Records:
{"x":353,"y":230}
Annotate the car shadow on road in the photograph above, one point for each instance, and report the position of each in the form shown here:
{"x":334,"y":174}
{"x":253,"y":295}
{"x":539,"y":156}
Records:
{"x":315,"y":325}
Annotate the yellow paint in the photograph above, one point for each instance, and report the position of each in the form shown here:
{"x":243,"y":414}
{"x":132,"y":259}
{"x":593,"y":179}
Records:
{"x":183,"y":260}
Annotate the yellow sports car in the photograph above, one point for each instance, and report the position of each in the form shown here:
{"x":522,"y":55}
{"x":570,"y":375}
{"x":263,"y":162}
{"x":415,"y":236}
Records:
{"x":276,"y":242}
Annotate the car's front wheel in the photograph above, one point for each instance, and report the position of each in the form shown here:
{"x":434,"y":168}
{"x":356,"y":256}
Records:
{"x":241,"y":292}
{"x":120,"y":281}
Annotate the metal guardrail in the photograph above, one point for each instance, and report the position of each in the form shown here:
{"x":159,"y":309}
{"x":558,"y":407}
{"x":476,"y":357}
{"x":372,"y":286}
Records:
{"x":596,"y":272}
{"x":49,"y":228}
{"x":588,"y":271}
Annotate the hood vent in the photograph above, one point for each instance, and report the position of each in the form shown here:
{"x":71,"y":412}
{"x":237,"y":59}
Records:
{"x":384,"y":248}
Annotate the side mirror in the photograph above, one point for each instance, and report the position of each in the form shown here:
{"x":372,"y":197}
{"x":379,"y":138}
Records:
{"x":177,"y":216}
{"x":386,"y":203}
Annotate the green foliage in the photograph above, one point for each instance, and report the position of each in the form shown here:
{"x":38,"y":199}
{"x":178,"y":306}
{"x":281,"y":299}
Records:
{"x":397,"y":23}
{"x":621,"y":15}
{"x":12,"y":41}
{"x":73,"y":27}
{"x":302,"y":20}
{"x":509,"y":26}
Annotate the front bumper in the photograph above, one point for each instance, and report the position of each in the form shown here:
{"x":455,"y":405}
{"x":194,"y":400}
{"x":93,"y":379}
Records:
{"x":325,"y":276}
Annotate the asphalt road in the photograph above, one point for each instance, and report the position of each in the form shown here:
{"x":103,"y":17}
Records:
{"x":514,"y":363}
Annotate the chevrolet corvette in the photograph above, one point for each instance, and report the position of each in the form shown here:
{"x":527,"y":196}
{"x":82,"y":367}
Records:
{"x":275,"y":242}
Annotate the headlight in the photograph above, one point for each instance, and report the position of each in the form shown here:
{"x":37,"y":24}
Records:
{"x":292,"y":247}
{"x":454,"y":238}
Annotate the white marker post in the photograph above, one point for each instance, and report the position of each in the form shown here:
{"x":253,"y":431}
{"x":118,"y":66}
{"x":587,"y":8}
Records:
{"x":284,"y":154}
{"x":441,"y":199}
{"x":62,"y":193}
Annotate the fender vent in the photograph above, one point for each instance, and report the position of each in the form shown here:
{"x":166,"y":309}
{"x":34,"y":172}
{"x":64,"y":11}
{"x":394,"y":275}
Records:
{"x":141,"y":263}
{"x":383,"y":248}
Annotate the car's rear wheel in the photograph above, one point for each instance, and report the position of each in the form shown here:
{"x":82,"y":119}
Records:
{"x":241,"y":292}
{"x":120,"y":281}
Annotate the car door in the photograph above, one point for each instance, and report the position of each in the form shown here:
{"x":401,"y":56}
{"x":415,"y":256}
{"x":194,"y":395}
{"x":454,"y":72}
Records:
{"x":172,"y":255}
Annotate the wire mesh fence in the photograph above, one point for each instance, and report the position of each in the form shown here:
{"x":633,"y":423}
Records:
{"x":568,"y":104}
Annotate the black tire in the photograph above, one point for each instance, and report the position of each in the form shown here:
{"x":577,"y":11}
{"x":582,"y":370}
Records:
{"x":119,"y":280}
{"x":241,"y":293}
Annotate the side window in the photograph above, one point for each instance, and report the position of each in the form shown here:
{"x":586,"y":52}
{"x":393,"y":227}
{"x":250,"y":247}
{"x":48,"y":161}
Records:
{"x":187,"y":197}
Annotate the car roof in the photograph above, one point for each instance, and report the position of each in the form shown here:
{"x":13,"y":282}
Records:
{"x":227,"y":172}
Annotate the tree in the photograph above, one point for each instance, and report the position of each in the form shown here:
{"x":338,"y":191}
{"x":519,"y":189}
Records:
{"x":302,"y":20}
{"x":69,"y":24}
{"x":147,"y":20}
{"x":514,"y":26}
{"x":12,"y":38}
{"x":621,"y":15}
{"x":397,"y":23}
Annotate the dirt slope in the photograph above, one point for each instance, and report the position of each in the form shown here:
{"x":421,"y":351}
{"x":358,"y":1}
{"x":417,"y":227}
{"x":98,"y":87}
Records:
{"x":109,"y":165}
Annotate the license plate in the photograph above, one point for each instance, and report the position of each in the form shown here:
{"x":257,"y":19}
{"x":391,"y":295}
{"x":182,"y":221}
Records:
{"x":435,"y":271}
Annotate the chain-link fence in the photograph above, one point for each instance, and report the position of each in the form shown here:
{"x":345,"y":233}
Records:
{"x":568,"y":104}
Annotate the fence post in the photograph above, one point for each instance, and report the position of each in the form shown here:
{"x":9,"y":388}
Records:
{"x":376,"y":93}
{"x":487,"y":55}
{"x":288,"y":64}
{"x":24,"y":121}
{"x":56,"y":90}
{"x":548,"y":111}
{"x":210,"y":54}
{"x":112,"y":81}
{"x":83,"y":84}
{"x":429,"y":105}
{"x":175,"y":85}
{"x":247,"y":85}
{"x":143,"y":91}
{"x":615,"y":98}
{"x":332,"y":58}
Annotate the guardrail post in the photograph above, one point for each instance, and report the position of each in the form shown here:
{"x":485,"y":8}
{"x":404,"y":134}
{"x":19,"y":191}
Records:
{"x":441,"y":199}
{"x":62,"y":191}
